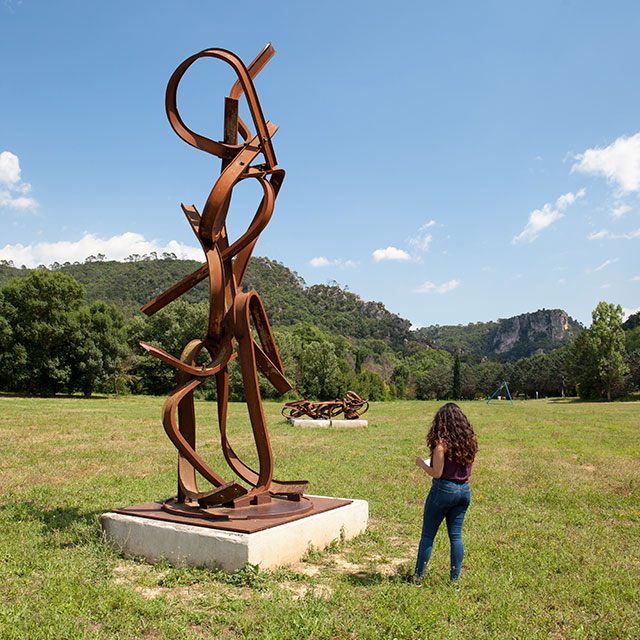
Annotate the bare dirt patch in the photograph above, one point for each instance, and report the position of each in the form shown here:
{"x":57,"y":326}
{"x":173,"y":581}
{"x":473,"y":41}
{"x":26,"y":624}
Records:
{"x":151,"y":593}
{"x":343,"y":564}
{"x":390,"y":567}
{"x":300,"y":590}
{"x":306,"y":568}
{"x":126,"y":573}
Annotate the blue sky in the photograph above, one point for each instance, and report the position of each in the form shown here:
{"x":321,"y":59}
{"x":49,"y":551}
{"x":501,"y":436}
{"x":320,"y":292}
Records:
{"x":459,"y":161}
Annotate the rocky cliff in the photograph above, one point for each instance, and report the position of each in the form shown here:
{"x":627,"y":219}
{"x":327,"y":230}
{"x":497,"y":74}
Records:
{"x":531,"y":333}
{"x":507,"y":339}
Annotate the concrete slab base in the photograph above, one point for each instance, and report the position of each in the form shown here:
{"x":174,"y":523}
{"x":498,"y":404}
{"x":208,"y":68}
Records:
{"x":358,"y":422}
{"x":310,"y":422}
{"x":183,"y":544}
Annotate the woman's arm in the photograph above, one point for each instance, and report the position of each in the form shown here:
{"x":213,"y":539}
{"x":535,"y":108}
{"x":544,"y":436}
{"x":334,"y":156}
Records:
{"x":437,"y":461}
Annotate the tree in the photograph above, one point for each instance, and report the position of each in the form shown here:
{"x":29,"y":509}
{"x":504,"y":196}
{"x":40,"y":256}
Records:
{"x":489,"y":375}
{"x":598,"y":362}
{"x":609,"y":341}
{"x":170,"y":329}
{"x":457,"y":380}
{"x":632,"y":339}
{"x":39,"y":312}
{"x":436,"y":383}
{"x":319,"y":371}
{"x":370,"y":386}
{"x":633,"y":362}
{"x":357,"y":367}
{"x":400,"y":378}
{"x":100,"y":347}
{"x":289,"y":348}
{"x":632,"y":322}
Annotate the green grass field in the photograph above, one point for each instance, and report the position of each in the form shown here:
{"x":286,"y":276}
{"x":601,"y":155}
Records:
{"x":552,"y":536}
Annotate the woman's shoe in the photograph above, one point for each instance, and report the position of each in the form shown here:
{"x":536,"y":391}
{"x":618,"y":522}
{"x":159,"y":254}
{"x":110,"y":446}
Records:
{"x":413,"y":580}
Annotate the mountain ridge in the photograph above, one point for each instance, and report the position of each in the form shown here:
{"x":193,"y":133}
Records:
{"x":289,"y":301}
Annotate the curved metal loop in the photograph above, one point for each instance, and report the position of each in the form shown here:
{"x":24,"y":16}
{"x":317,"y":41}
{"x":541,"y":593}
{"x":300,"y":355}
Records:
{"x":220,"y":149}
{"x":352,"y":406}
{"x":230,"y":310}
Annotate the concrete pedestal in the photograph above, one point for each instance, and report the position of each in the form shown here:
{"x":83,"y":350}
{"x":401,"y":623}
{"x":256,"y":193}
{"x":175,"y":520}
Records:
{"x":186,"y":544}
{"x":310,"y":422}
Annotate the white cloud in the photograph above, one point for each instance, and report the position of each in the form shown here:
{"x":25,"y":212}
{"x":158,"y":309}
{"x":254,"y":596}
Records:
{"x":426,"y":287}
{"x":321,"y":261}
{"x":114,"y":248}
{"x":562,"y":281}
{"x":618,"y":163}
{"x":635,"y":279}
{"x":604,"y":234}
{"x":448,"y":286}
{"x":9,"y":168}
{"x":540,"y":219}
{"x":10,"y":177}
{"x":20,"y":202}
{"x":421,"y":240}
{"x":568,"y":199}
{"x":629,"y":312}
{"x":390,"y":253}
{"x":445,"y":287}
{"x":620,"y":210}
{"x":606,"y":263}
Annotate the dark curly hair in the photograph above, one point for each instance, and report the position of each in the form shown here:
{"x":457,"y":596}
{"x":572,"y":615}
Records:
{"x":451,"y":426}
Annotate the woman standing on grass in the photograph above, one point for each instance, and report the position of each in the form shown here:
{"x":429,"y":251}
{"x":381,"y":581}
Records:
{"x":453,"y":448}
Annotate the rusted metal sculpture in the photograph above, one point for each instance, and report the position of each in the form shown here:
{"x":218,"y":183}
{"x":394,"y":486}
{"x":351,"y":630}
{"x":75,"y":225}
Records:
{"x":352,"y":406}
{"x":230,"y":314}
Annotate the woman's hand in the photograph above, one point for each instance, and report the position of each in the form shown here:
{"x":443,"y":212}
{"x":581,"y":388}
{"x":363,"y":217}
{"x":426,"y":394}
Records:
{"x":437,"y":462}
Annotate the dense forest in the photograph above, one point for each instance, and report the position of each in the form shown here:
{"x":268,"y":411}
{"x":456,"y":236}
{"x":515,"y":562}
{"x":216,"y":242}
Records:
{"x":76,"y":327}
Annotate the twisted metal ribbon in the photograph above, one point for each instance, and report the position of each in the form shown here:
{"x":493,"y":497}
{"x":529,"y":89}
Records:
{"x":231,"y":312}
{"x":352,"y":406}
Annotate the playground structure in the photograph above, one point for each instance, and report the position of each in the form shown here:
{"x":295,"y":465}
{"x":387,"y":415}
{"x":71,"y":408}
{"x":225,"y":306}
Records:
{"x":352,"y":406}
{"x":506,"y":387}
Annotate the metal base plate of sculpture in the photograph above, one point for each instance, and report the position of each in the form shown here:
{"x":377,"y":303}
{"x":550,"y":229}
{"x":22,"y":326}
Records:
{"x":229,"y":332}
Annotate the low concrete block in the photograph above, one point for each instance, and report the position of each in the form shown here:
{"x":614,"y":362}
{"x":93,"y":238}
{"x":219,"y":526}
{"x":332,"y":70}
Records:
{"x":310,"y":422}
{"x":182,"y":544}
{"x":349,"y":423}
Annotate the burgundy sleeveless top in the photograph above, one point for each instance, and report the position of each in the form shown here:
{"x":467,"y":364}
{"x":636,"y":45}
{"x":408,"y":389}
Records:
{"x":455,"y":471}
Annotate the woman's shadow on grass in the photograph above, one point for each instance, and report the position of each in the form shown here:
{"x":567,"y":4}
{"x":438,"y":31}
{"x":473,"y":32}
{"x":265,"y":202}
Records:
{"x":371,"y":578}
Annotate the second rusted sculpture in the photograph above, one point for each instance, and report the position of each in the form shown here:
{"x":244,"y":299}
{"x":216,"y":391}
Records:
{"x":352,"y":406}
{"x":231,"y":312}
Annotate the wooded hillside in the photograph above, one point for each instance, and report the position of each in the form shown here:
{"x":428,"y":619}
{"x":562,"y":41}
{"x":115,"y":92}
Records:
{"x":289,"y":302}
{"x":330,"y":340}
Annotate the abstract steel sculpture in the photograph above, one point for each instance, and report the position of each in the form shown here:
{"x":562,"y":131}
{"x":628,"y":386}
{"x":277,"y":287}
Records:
{"x":352,"y":406}
{"x":230,"y":313}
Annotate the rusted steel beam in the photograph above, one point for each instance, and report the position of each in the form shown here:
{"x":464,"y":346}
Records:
{"x":228,"y":333}
{"x":352,"y":406}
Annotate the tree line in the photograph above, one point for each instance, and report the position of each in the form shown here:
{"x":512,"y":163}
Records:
{"x":53,"y":341}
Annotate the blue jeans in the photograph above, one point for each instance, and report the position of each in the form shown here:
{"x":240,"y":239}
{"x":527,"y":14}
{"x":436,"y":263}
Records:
{"x":450,"y":500}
